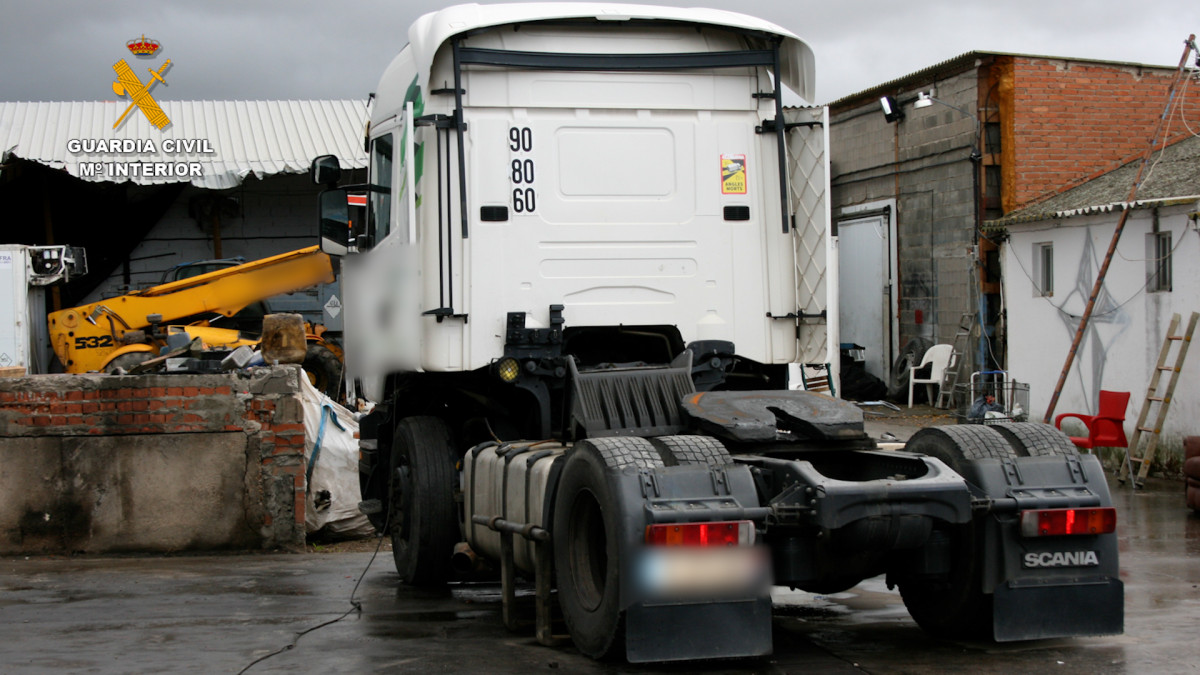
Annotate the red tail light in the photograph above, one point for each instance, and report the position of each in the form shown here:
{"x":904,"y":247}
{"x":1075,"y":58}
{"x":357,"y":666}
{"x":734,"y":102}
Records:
{"x":728,"y":533}
{"x":1057,"y":522}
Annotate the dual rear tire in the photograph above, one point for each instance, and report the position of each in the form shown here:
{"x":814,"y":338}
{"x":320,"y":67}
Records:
{"x":588,"y":540}
{"x":956,"y":606}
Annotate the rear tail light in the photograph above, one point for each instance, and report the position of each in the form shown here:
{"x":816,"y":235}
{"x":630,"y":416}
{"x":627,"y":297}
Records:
{"x":726,"y":533}
{"x":1057,"y":522}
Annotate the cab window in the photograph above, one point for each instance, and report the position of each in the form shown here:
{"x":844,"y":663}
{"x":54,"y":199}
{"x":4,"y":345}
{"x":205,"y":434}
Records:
{"x":379,"y":201}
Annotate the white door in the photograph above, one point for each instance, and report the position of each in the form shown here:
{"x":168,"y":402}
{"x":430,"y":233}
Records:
{"x":864,"y":279}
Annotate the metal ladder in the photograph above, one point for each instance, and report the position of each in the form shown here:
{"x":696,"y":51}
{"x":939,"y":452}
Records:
{"x":950,"y":376}
{"x":1157,"y":396}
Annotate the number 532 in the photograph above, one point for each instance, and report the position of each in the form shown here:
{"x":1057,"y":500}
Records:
{"x":93,"y":341}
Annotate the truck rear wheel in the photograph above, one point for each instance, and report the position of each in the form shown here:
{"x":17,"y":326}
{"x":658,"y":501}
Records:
{"x":1033,"y":439}
{"x":676,"y":450}
{"x":424,"y":516}
{"x":955,"y":605}
{"x":587,"y":535}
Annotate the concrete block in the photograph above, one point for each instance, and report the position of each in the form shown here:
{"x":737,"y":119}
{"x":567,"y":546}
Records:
{"x":288,"y":410}
{"x":274,"y":380}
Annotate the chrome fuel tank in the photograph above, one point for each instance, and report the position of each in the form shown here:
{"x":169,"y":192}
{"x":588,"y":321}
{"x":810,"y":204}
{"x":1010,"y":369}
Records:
{"x":510,"y":481}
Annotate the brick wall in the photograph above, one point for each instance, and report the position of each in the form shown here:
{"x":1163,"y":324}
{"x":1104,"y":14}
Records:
{"x":152,"y":462}
{"x":1074,"y":120}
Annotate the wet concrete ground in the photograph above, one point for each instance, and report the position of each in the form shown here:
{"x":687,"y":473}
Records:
{"x":221,"y":613}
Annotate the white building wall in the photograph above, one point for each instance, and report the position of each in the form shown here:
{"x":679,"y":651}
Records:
{"x":1121,"y":346}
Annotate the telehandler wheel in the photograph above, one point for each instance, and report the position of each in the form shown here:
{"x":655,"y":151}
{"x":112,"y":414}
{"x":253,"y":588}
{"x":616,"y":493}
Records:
{"x":1034,"y":439}
{"x":676,"y":450}
{"x":324,"y":369}
{"x":956,"y":606}
{"x":587,"y":535}
{"x":424,"y":515}
{"x":127,"y":361}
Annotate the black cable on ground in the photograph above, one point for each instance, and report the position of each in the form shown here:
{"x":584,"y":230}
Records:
{"x":355,"y":606}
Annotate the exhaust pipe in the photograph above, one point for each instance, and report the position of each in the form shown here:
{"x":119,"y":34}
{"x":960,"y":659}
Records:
{"x":466,"y":561}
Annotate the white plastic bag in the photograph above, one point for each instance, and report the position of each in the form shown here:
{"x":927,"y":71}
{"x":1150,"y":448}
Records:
{"x":331,"y":450}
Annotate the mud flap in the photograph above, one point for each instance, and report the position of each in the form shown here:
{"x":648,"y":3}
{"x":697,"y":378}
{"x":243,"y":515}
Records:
{"x":1048,"y":587}
{"x":1035,"y":611}
{"x":708,"y":622}
{"x":689,"y":631}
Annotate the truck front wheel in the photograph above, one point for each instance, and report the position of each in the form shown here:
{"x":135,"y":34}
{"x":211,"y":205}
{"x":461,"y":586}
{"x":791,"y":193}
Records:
{"x":424,"y":518}
{"x":587,"y":541}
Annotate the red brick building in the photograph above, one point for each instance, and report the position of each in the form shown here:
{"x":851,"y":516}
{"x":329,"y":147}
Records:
{"x":1065,"y":121}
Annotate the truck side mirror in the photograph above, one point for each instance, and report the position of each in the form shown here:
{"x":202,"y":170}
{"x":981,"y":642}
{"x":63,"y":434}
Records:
{"x":335,"y":222}
{"x":325,"y":170}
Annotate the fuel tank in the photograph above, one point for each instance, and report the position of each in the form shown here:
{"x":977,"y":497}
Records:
{"x":508,"y":480}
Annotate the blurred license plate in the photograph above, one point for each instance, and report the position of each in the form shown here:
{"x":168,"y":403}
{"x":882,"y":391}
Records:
{"x":694,"y":572}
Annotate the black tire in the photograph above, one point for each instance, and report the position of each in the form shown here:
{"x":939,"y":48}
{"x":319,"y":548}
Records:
{"x":908,"y":357}
{"x":424,"y":516}
{"x":956,"y":606}
{"x":1034,"y":439}
{"x":676,"y":450}
{"x":587,"y":541}
{"x":127,"y":361}
{"x":959,"y":445}
{"x":324,"y":370}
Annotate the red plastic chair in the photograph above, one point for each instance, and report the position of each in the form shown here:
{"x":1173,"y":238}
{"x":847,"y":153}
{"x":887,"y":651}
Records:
{"x":1105,"y":429}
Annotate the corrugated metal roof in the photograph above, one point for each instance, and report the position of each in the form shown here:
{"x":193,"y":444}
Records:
{"x":1172,"y":177}
{"x":259,"y":138}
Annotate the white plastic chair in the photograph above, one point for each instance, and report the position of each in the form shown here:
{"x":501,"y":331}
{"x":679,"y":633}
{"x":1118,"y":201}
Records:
{"x":938,"y":359}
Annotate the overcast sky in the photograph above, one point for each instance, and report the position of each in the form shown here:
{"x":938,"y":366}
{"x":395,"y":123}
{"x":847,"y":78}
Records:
{"x":235,"y":49}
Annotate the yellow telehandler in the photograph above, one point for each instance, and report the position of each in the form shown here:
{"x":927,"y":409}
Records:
{"x":124,"y":331}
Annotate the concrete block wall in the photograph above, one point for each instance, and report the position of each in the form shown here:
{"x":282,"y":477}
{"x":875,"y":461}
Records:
{"x":166,"y":463}
{"x":921,"y":161}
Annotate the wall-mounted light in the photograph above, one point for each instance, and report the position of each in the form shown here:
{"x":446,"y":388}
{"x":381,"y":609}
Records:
{"x":924,"y":100}
{"x":891,"y":109}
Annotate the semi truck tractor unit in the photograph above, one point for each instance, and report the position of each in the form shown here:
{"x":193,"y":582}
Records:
{"x":595,"y":265}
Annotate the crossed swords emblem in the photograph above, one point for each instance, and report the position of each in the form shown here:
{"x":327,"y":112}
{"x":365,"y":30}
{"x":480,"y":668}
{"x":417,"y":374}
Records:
{"x":128,"y":84}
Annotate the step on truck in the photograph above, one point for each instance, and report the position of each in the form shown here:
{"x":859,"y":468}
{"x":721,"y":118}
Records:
{"x":594,"y":269}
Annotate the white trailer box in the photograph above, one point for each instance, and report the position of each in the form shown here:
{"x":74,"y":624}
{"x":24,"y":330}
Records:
{"x":15,"y":321}
{"x":25,"y":271}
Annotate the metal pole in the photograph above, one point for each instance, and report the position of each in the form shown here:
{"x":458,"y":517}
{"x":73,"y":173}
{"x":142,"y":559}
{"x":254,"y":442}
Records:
{"x":1189,"y":45}
{"x":780,"y":141}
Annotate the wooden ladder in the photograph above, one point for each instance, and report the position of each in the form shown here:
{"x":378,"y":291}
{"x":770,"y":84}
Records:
{"x":945,"y":395}
{"x":1157,"y":396}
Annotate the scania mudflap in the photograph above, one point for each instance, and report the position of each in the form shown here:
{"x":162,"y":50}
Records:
{"x":1050,"y":548}
{"x":692,"y":602}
